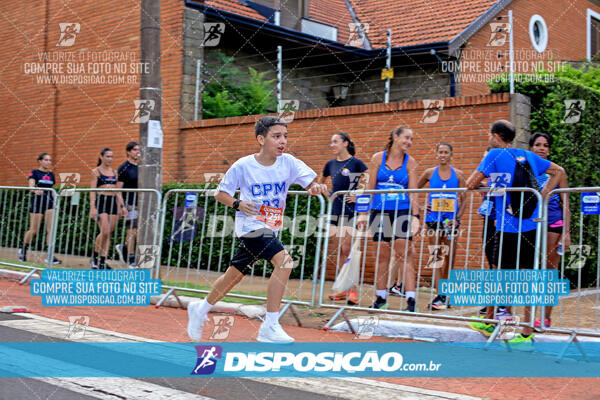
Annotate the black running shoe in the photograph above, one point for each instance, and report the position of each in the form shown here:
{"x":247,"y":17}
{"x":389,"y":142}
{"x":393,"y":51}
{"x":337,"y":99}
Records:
{"x":103,"y":265}
{"x":439,"y":303}
{"x":380,"y":303}
{"x":410,"y":304}
{"x":397,"y":290}
{"x":22,"y":255}
{"x":55,"y":261}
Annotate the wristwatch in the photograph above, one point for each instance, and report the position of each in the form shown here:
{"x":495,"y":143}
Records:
{"x":236,"y":205}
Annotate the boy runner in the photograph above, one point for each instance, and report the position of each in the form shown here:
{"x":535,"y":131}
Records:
{"x":263,"y":180}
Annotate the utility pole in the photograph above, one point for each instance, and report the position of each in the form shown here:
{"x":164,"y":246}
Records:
{"x":151,"y":140}
{"x":388,"y":65}
{"x":279,"y":77}
{"x":511,"y":53}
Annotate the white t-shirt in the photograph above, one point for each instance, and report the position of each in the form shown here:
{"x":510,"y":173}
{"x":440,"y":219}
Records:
{"x":266,"y":187}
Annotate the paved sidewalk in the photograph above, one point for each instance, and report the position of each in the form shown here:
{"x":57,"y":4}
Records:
{"x":169,"y":324}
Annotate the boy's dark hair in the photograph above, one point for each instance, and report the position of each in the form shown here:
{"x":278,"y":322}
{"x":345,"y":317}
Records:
{"x":504,"y":129}
{"x":41,"y":156}
{"x":265,"y":123}
{"x":536,"y":135}
{"x":130,"y":146}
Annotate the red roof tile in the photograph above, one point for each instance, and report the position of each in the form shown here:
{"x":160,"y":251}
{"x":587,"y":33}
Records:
{"x":412,"y":21}
{"x":234,"y":7}
{"x":417,"y":21}
{"x":332,"y":12}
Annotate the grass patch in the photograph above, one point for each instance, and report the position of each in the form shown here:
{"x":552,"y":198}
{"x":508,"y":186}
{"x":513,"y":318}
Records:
{"x":13,"y":267}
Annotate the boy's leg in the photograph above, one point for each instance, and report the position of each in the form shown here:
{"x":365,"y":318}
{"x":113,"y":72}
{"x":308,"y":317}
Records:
{"x":282,"y":267}
{"x":224,"y":284}
{"x":198,"y":311}
{"x":270,"y":331}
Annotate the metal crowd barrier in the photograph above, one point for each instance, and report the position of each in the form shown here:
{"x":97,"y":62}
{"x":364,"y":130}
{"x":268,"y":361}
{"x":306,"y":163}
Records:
{"x":16,"y":204}
{"x":579,"y":313}
{"x":199,"y":242}
{"x":470,"y":254}
{"x":76,"y":231}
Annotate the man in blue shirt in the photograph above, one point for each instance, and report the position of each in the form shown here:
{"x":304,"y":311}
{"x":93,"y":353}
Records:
{"x":517,"y":235}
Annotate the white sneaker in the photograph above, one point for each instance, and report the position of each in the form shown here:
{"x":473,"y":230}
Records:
{"x":195,"y":322}
{"x":273,"y":333}
{"x":119,"y":249}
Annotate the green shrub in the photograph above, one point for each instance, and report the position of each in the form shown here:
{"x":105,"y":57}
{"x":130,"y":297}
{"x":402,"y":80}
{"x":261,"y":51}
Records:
{"x":214,"y":253}
{"x":230,"y":92}
{"x":76,"y":231}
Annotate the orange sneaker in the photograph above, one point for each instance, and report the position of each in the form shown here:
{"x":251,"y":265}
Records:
{"x":338,"y":296}
{"x":352,"y":297}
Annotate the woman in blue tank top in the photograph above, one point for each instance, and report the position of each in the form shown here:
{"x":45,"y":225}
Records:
{"x":394,"y":216}
{"x":558,"y":225}
{"x":443,"y":214}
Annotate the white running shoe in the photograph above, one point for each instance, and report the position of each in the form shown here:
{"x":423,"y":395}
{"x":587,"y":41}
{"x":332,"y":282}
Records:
{"x":195,"y":322}
{"x":273,"y":333}
{"x":119,"y":249}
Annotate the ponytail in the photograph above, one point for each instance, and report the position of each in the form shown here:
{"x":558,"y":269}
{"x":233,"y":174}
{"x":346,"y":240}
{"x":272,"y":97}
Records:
{"x":104,"y":150}
{"x":398,"y":131}
{"x":345,"y":138}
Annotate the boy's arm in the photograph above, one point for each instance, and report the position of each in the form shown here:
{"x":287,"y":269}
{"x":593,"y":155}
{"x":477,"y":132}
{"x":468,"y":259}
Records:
{"x":316,"y":188}
{"x":244,"y":206}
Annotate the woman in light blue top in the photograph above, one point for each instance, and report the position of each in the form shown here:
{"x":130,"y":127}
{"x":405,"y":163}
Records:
{"x":394,"y":216}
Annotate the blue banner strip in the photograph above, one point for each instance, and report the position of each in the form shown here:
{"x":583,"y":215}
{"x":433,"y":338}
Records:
{"x":295,"y":360}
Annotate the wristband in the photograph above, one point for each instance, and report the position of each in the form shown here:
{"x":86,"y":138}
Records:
{"x":417,"y":215}
{"x":236,"y":205}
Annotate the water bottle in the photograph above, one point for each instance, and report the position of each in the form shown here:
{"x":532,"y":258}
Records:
{"x":447,"y":228}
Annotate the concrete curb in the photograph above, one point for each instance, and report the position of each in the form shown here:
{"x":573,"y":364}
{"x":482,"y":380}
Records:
{"x":11,"y":275}
{"x":435,"y":333}
{"x":246,"y":310}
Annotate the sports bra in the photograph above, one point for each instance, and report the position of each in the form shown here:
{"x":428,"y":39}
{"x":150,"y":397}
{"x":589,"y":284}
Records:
{"x":105,"y":180}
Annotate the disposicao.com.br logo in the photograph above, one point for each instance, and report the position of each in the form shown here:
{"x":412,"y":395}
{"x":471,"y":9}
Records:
{"x":218,"y":360}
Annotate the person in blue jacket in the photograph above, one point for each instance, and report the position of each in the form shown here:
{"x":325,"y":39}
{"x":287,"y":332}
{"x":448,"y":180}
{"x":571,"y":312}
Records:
{"x":517,"y":236}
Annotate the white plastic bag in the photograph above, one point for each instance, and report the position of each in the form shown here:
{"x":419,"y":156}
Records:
{"x":349,"y":275}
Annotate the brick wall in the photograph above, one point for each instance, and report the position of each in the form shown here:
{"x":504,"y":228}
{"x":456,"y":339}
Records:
{"x":74,"y":122}
{"x":566,"y":24}
{"x":213,"y":145}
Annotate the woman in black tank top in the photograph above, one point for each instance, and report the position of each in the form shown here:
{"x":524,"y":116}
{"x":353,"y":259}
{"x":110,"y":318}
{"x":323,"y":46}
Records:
{"x":105,"y":207}
{"x":42,"y":204}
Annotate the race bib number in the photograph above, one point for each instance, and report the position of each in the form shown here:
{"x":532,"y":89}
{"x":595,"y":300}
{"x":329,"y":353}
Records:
{"x":442,"y":205}
{"x":271,"y":216}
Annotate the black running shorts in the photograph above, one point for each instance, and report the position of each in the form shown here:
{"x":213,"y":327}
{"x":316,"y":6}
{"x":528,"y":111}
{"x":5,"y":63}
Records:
{"x":257,"y":245}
